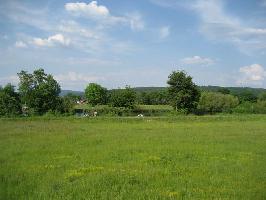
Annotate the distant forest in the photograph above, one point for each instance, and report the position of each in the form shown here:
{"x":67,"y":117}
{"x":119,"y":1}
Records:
{"x":233,"y":90}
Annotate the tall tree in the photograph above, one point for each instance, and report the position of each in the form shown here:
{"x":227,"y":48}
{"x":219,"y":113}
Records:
{"x":123,"y":98}
{"x":9,"y":101}
{"x":96,"y":94}
{"x":183,"y":93}
{"x":39,"y":91}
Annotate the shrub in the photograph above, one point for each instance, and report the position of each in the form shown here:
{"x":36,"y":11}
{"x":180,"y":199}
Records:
{"x":212,"y":102}
{"x":251,"y":108}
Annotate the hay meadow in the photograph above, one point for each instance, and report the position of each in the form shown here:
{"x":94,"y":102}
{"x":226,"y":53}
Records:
{"x":186,"y":157}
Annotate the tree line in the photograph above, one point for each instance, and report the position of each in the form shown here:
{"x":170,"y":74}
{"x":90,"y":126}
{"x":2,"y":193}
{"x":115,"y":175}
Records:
{"x":38,"y":94}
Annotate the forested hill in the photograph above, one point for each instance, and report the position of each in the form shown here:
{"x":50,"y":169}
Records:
{"x":233,"y":90}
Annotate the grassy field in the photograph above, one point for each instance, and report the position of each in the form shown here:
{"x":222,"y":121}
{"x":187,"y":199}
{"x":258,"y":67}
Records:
{"x":208,"y":157}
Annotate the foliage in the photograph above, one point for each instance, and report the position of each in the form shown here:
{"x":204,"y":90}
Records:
{"x":96,"y":94}
{"x":262,"y":96}
{"x":9,"y":101}
{"x":39,"y":91}
{"x":66,"y":104}
{"x":123,"y":98}
{"x":247,"y":96}
{"x":73,"y":97}
{"x":212,"y":102}
{"x":183,"y":93}
{"x":223,"y":90}
{"x":159,"y":97}
{"x":251,"y":108}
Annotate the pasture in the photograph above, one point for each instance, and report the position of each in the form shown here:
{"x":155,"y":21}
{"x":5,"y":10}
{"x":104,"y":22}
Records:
{"x":186,"y":157}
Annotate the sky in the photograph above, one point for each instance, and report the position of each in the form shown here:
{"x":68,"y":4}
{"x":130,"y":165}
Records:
{"x":138,"y":43}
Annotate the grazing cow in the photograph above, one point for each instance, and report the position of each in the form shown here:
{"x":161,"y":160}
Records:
{"x":140,"y":115}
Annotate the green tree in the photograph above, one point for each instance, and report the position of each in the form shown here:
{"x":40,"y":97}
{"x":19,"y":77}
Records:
{"x":39,"y":91}
{"x":183,"y":93}
{"x":9,"y":101}
{"x":153,"y":97}
{"x":262,"y":96}
{"x":247,"y":95}
{"x":212,"y":102}
{"x":223,"y":90}
{"x":96,"y":94}
{"x":123,"y":97}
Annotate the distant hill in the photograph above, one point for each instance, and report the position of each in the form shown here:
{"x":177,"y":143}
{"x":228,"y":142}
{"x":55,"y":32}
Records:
{"x":148,"y":89}
{"x":233,"y":90}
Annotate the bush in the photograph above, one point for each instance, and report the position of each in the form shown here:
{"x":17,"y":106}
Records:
{"x":212,"y":102}
{"x":251,"y":108}
{"x":262,"y":96}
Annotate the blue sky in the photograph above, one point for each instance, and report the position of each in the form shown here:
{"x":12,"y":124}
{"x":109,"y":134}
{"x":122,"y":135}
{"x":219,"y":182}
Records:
{"x":137,"y":43}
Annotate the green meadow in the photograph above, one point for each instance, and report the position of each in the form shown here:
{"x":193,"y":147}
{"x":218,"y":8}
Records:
{"x":186,"y":157}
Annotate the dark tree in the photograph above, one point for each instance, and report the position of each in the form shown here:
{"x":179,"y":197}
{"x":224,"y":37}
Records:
{"x":9,"y":101}
{"x":183,"y":93}
{"x":39,"y":91}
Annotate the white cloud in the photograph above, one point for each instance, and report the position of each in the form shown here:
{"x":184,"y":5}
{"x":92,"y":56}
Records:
{"x":77,"y":77}
{"x":86,"y":37}
{"x":39,"y":18}
{"x":20,"y":44}
{"x":164,"y":32}
{"x":91,"y":9}
{"x":136,"y":22}
{"x":102,"y":15}
{"x":94,"y":11}
{"x":252,"y":74}
{"x":72,"y":27}
{"x":51,"y":41}
{"x":218,"y":25}
{"x":197,"y":60}
{"x":72,"y":79}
